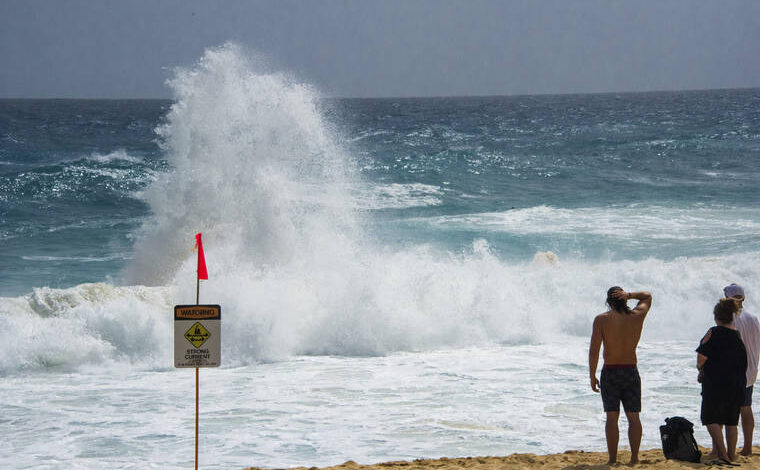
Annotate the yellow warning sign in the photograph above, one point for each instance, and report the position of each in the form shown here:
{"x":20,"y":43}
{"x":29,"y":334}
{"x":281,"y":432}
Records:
{"x":197,"y":335}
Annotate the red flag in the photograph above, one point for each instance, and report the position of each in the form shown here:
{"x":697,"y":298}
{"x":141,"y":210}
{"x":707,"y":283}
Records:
{"x":202,"y":273}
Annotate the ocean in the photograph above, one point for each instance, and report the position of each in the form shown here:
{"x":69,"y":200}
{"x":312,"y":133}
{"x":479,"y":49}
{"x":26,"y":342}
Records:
{"x":399,"y":278}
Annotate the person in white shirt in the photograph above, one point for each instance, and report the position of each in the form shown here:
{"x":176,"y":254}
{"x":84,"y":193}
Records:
{"x":749,"y":329}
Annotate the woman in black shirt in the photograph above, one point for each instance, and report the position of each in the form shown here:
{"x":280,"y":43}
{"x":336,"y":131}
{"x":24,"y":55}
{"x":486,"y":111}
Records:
{"x":722,"y":361}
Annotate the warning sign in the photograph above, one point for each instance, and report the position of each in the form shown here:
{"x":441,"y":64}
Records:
{"x":197,"y":331}
{"x":197,"y":335}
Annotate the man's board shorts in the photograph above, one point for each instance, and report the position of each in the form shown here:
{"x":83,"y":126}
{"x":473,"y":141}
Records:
{"x":748,"y":396}
{"x":621,"y":383}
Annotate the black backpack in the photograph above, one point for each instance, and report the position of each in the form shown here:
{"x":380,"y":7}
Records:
{"x":678,"y":441}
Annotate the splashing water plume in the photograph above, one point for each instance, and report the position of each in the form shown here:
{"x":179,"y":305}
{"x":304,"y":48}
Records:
{"x":255,"y":171}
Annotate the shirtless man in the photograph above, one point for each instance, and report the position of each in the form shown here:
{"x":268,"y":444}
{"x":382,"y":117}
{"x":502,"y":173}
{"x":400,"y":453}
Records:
{"x":619,"y":329}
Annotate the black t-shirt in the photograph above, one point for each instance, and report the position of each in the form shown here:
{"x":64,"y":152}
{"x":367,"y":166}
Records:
{"x":726,"y":367}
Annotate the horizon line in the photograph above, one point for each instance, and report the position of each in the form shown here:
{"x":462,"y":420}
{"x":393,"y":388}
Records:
{"x":627,"y":92}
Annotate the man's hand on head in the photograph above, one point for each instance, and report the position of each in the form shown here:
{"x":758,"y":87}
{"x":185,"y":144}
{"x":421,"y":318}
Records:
{"x":622,"y":295}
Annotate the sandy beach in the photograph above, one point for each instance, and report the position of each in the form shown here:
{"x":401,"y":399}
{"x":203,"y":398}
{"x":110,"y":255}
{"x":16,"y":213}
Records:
{"x":569,"y":460}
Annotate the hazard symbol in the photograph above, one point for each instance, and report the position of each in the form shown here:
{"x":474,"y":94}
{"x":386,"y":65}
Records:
{"x":197,"y":335}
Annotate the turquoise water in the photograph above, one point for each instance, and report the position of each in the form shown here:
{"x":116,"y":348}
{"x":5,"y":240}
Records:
{"x":620,"y":176}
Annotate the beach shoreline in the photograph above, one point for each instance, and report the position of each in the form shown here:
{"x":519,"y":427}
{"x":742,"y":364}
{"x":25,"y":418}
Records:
{"x":568,"y":460}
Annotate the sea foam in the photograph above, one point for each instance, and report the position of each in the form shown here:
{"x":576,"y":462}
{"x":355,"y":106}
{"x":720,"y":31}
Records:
{"x":384,"y":302}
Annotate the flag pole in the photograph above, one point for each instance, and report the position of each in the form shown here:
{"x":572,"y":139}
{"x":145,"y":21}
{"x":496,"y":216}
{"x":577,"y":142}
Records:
{"x":201,"y":273}
{"x":197,"y":370}
{"x":196,"y":417}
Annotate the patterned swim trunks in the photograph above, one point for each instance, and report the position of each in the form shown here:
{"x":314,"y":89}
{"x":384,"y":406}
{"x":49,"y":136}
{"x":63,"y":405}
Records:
{"x":621,"y":384}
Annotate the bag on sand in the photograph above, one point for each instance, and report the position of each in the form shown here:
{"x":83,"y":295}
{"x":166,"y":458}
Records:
{"x":678,"y":441}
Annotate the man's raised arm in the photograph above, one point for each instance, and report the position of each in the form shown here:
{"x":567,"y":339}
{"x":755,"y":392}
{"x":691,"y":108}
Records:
{"x":645,"y":301}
